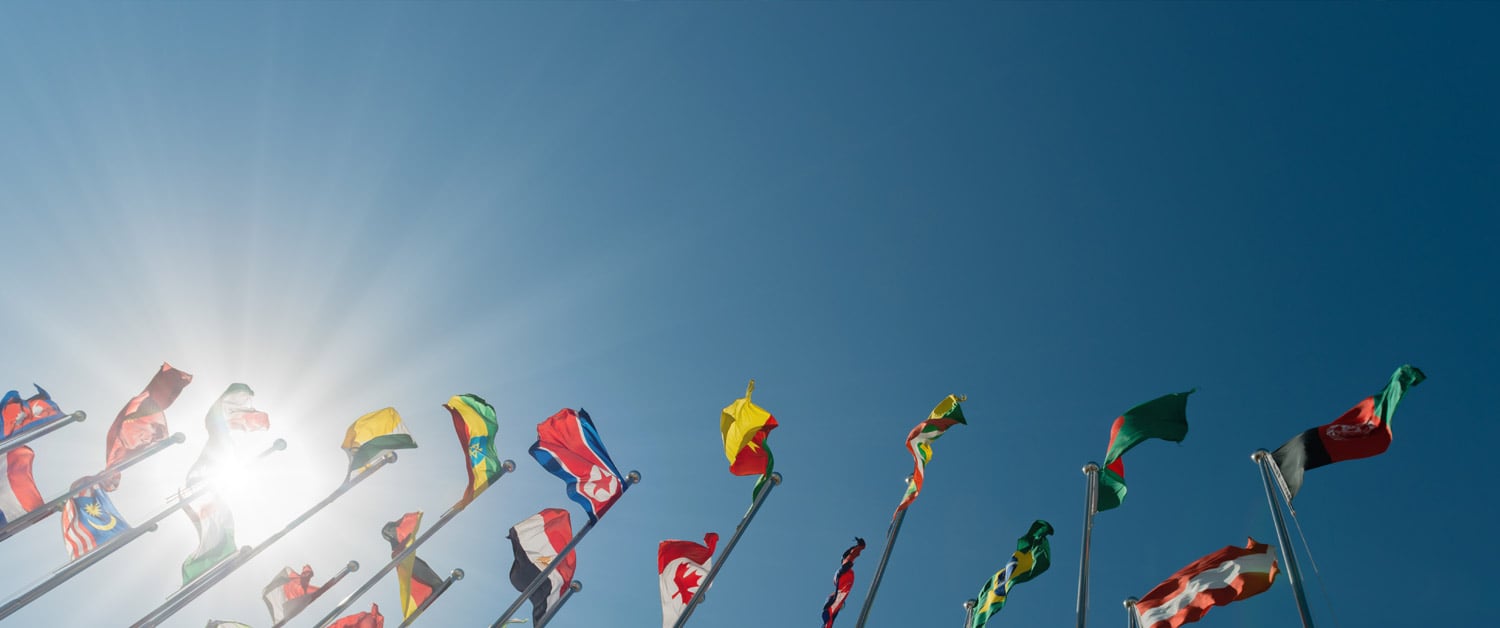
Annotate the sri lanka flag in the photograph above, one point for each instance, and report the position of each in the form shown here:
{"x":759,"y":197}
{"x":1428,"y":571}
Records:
{"x":568,"y":446}
{"x":20,"y":415}
{"x":681,"y":566}
{"x":745,"y":426}
{"x":143,"y":420}
{"x":1363,"y":431}
{"x":474,"y":421}
{"x":90,"y":519}
{"x":1164,"y":417}
{"x":919,"y":442}
{"x":416,"y":579}
{"x":19,"y":495}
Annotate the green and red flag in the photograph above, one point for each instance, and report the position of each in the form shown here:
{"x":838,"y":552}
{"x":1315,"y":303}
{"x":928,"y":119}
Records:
{"x":919,"y":442}
{"x":1362,"y":432}
{"x":1164,"y":417}
{"x":1033,"y":556}
{"x":474,"y":421}
{"x":745,"y":427}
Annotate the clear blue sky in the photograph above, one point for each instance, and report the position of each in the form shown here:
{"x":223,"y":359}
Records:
{"x":1058,"y":210}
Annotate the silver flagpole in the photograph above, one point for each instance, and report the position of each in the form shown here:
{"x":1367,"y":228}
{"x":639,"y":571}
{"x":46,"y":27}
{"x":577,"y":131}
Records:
{"x":1288,"y":556}
{"x":634,"y":477}
{"x":728,"y":547}
{"x":574,"y":587}
{"x":31,"y":435}
{"x":192,"y":590}
{"x":349,"y":568}
{"x":454,"y":576}
{"x":1090,"y":508}
{"x":505,"y":467}
{"x":885,"y":556}
{"x":1130,"y":616}
{"x":46,"y":510}
{"x":969,"y":612}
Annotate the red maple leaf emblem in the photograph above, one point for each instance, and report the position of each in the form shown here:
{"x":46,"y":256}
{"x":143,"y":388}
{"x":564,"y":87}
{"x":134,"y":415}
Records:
{"x":686,"y":578}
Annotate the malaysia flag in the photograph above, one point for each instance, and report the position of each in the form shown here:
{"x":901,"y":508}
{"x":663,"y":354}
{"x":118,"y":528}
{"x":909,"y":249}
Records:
{"x":19,"y":495}
{"x":682,"y":565}
{"x":88,"y":520}
{"x":568,"y":446}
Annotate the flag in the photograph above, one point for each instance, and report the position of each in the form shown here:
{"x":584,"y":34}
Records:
{"x":372,"y":619}
{"x":88,"y":520}
{"x":142,"y":421}
{"x":536,"y":542}
{"x":372,"y":434}
{"x":474,"y":420}
{"x":745,"y":427}
{"x":681,"y":565}
{"x":1363,"y":431}
{"x":568,"y":446}
{"x":208,"y":510}
{"x":215,"y":623}
{"x":416,"y":579}
{"x":843,"y":581}
{"x":19,"y":495}
{"x":20,"y":415}
{"x":289,"y":592}
{"x":919,"y":442}
{"x":1032,"y":557}
{"x":1228,"y":575}
{"x":1164,"y":417}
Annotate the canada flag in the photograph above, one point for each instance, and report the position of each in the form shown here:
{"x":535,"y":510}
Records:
{"x":682,"y":566}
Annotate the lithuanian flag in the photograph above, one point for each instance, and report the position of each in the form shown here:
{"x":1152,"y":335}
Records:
{"x":745,"y":427}
{"x":372,"y":434}
{"x":474,"y":421}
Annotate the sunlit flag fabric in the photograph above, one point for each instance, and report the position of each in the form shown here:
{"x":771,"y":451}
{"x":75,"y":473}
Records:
{"x":23,"y":414}
{"x":536,"y":542}
{"x":208,"y":511}
{"x":474,"y":421}
{"x":288,"y":593}
{"x":19,"y":495}
{"x":1032,"y":557}
{"x":745,"y":427}
{"x":1228,"y":575}
{"x":214,"y":623}
{"x":919,"y":442}
{"x":1363,"y":431}
{"x":143,"y":420}
{"x":568,"y":446}
{"x":843,"y":581}
{"x":1164,"y":417}
{"x":371,"y":619}
{"x":90,"y":519}
{"x":416,"y":579}
{"x":681,"y":566}
{"x":372,"y":434}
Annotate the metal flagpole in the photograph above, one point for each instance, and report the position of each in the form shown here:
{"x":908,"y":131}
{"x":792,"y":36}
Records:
{"x":969,"y":612}
{"x":728,"y":547}
{"x":1090,"y":508}
{"x":31,"y":435}
{"x":349,"y":568}
{"x":46,"y":510}
{"x":454,"y":576}
{"x":1288,"y":555}
{"x":66,"y":572}
{"x":192,"y":590}
{"x":505,"y":467}
{"x":1130,"y":616}
{"x":573,"y":587}
{"x":634,"y":477}
{"x":885,"y":556}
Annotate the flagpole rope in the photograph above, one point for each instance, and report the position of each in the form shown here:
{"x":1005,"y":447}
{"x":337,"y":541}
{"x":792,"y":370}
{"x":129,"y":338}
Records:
{"x":1321,"y":585}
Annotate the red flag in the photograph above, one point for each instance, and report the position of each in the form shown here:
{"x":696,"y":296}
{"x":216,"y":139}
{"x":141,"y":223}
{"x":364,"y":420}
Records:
{"x":1228,"y":575}
{"x":142,"y":421}
{"x":682,"y":565}
{"x":843,"y":581}
{"x":289,"y":593}
{"x":372,"y":619}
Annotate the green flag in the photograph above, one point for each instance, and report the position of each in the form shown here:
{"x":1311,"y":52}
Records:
{"x":1164,"y":417}
{"x":1033,"y":556}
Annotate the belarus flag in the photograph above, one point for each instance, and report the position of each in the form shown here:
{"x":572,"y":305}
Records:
{"x":536,"y":541}
{"x":19,"y":495}
{"x":1228,"y":575}
{"x":682,"y":566}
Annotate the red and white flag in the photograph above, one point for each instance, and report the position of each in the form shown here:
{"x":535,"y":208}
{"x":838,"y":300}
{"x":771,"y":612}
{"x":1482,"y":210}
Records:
{"x":1228,"y":575}
{"x":536,"y":542}
{"x":289,"y":592}
{"x":19,"y":495}
{"x":682,"y":566}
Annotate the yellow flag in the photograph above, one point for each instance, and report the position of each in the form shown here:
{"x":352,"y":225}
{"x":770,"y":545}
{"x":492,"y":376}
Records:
{"x":745,"y":426}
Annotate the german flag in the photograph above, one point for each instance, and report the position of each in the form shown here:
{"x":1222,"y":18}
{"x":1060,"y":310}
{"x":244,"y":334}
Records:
{"x":417,"y":580}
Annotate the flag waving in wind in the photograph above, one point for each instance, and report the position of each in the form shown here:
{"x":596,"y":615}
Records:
{"x":474,"y":421}
{"x":1032,"y":557}
{"x":1228,"y":575}
{"x":289,"y":592}
{"x":681,"y":566}
{"x":1164,"y":417}
{"x":20,"y":415}
{"x":88,"y":520}
{"x":569,"y":447}
{"x":416,"y":579}
{"x":143,"y":420}
{"x":1363,"y":431}
{"x":536,"y":542}
{"x":372,"y":619}
{"x":843,"y":581}
{"x":19,"y":495}
{"x":371,"y":435}
{"x":745,"y":427}
{"x":209,"y":511}
{"x":919,"y":442}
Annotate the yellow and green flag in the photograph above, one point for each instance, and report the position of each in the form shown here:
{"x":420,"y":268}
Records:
{"x":373,"y":434}
{"x":1033,"y":556}
{"x":474,"y":421}
{"x":948,"y":413}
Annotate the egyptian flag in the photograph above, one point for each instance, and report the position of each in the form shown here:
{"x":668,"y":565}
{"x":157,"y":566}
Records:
{"x":568,"y":446}
{"x":1164,"y":417}
{"x":89,"y":519}
{"x":681,"y":566}
{"x":948,"y":413}
{"x":417,"y":580}
{"x":289,"y":592}
{"x":1032,"y":557}
{"x":536,"y":541}
{"x":208,"y":510}
{"x":371,"y":435}
{"x":843,"y":581}
{"x":142,"y":421}
{"x":474,"y":421}
{"x":372,"y":619}
{"x":20,"y":415}
{"x":745,"y":427}
{"x":1363,"y":431}
{"x":1228,"y":575}
{"x":19,"y":495}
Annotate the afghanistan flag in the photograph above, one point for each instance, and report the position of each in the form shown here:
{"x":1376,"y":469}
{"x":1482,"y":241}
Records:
{"x":1164,"y":417}
{"x":23,"y":414}
{"x":372,"y":434}
{"x":289,"y":592}
{"x":372,"y":619}
{"x":681,"y":567}
{"x":1228,"y":575}
{"x":416,"y":579}
{"x":143,"y":420}
{"x":474,"y":420}
{"x":19,"y":495}
{"x":536,"y":542}
{"x":745,"y":427}
{"x":1363,"y":431}
{"x":843,"y":581}
{"x":89,"y":519}
{"x":919,"y":442}
{"x":1032,"y":557}
{"x":568,"y":446}
{"x":209,"y":511}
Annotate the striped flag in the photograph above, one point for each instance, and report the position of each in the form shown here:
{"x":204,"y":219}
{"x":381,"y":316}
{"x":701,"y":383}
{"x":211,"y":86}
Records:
{"x":416,"y":579}
{"x":536,"y":542}
{"x":843,"y":581}
{"x":371,"y":435}
{"x":919,"y":442}
{"x":1363,"y":431}
{"x":1228,"y":575}
{"x":745,"y":427}
{"x":89,"y":519}
{"x":474,"y":421}
{"x":568,"y":446}
{"x":288,"y":593}
{"x":19,"y":495}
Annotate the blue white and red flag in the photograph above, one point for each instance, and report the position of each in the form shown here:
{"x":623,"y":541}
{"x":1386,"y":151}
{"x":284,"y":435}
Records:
{"x":20,"y":415}
{"x":568,"y":446}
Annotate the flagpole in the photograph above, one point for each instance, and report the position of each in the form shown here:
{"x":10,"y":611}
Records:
{"x":885,"y":555}
{"x":713,"y":570}
{"x":31,"y":435}
{"x":350,"y":567}
{"x":505,"y":467}
{"x":454,"y":576}
{"x":189,"y":592}
{"x":1090,"y":508}
{"x":1130,"y":616}
{"x":1288,"y":555}
{"x":969,"y":612}
{"x":108,"y":547}
{"x":573,"y":587}
{"x":634,"y":477}
{"x":46,"y":510}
